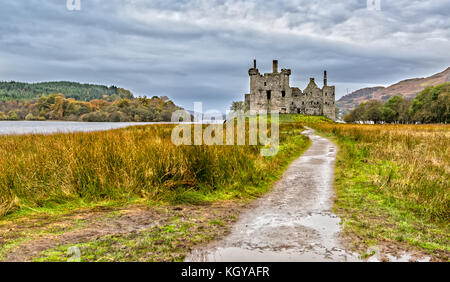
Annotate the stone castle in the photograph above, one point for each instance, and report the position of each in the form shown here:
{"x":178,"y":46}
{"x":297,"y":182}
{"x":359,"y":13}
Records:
{"x":271,"y":92}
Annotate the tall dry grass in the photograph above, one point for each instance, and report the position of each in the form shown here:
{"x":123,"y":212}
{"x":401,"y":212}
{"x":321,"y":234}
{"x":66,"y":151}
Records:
{"x":36,"y":170}
{"x":409,"y":162}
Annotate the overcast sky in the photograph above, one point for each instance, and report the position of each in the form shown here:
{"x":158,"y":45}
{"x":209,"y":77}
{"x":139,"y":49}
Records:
{"x":202,"y":50}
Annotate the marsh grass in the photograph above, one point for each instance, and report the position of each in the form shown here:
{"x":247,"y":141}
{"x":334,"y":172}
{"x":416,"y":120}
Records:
{"x":393,"y":183}
{"x":408,"y":162}
{"x":38,"y":171}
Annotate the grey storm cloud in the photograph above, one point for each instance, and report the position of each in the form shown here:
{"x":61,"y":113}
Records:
{"x":201,"y":50}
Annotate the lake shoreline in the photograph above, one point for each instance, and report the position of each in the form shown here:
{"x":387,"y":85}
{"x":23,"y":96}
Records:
{"x":51,"y":127}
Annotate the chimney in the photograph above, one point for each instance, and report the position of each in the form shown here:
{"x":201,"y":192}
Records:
{"x":325,"y":78}
{"x":254,"y":64}
{"x":275,"y":66}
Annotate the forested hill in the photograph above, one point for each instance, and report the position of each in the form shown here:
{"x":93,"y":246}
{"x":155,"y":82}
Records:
{"x":73,"y":101}
{"x":21,"y":91}
{"x":432,"y":105}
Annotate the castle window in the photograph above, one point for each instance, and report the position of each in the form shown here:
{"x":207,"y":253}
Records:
{"x":325,"y":93}
{"x":269,"y":93}
{"x":303,"y":102}
{"x":265,"y":83}
{"x":283,"y":93}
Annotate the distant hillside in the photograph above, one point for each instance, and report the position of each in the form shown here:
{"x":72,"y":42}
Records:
{"x":408,"y":89}
{"x":83,"y":92}
{"x":351,"y":100}
{"x":73,"y":101}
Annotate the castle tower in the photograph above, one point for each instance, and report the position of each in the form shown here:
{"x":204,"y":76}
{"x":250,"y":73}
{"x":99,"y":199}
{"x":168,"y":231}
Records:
{"x":254,"y":75}
{"x":329,"y":109}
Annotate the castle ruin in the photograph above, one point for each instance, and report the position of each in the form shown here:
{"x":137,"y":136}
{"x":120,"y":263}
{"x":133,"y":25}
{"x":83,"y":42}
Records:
{"x":272,"y":92}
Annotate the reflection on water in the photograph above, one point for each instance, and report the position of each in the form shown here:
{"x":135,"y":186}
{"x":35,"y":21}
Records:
{"x":27,"y":127}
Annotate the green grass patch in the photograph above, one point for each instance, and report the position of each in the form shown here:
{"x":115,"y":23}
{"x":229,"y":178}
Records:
{"x":162,"y":243}
{"x":169,"y":242}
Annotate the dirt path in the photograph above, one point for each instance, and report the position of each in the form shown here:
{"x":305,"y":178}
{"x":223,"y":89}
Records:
{"x":294,"y":222}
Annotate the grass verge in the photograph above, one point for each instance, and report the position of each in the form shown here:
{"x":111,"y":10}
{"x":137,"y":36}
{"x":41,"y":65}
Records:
{"x":392,"y":184}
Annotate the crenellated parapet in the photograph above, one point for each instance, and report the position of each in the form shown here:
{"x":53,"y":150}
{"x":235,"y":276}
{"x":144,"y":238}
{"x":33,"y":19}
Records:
{"x":286,"y":71}
{"x":253,"y":71}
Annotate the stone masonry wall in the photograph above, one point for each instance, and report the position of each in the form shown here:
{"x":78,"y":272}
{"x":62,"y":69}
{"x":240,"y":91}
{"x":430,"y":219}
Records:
{"x":272,"y":92}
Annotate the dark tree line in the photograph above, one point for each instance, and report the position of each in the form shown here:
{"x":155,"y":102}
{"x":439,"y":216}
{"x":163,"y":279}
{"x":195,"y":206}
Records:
{"x":21,"y":91}
{"x":432,"y":105}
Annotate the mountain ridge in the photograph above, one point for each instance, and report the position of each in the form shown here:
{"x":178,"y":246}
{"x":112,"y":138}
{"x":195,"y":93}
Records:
{"x":407,"y":88}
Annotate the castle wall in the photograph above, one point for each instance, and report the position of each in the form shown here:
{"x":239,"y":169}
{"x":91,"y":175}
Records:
{"x":272,"y":92}
{"x":312,"y":99}
{"x":329,"y":107}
